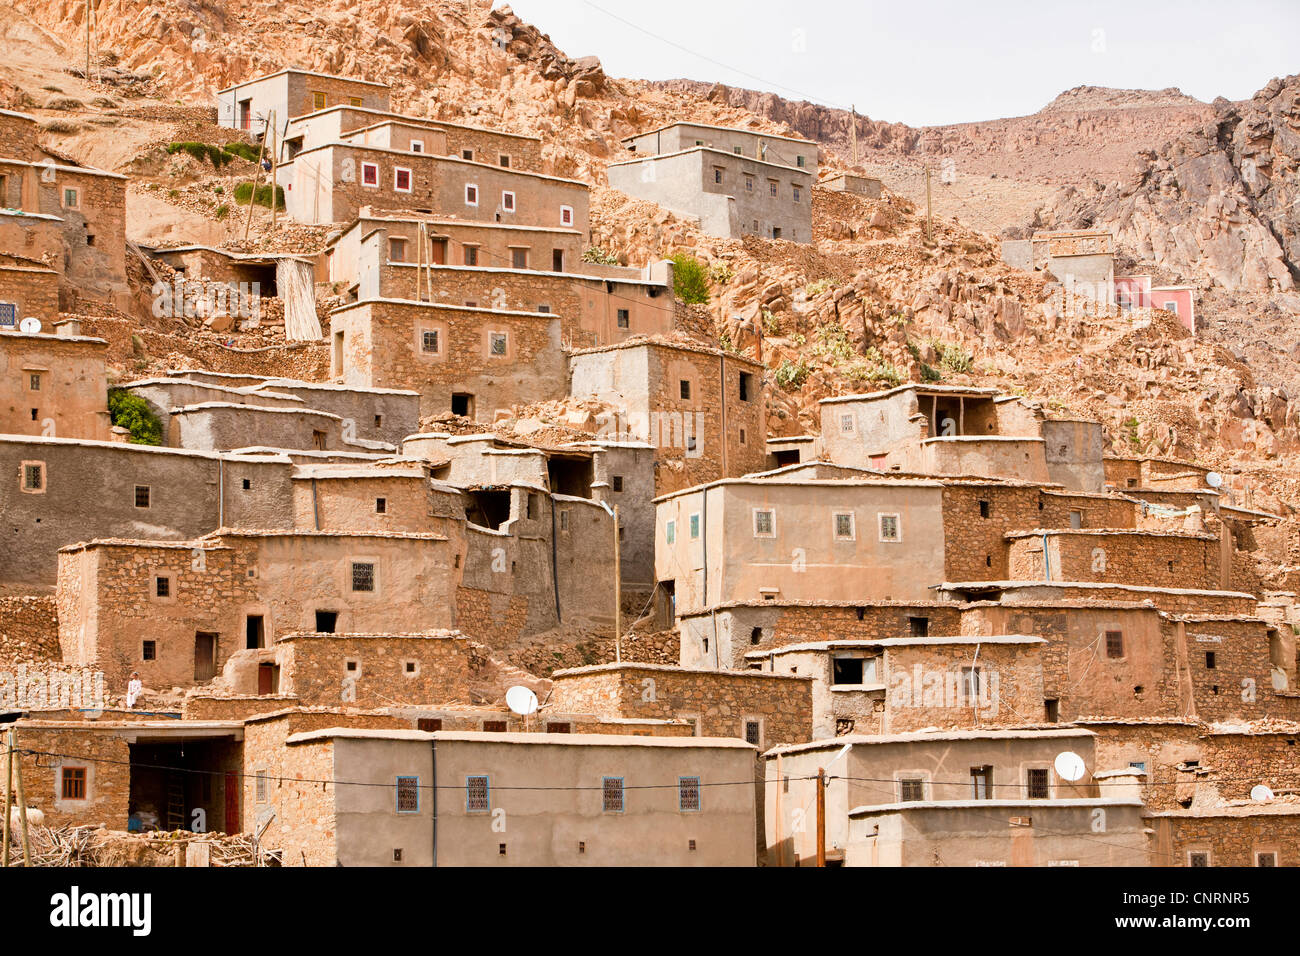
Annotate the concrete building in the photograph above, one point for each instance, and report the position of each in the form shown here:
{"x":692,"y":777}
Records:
{"x":735,"y":182}
{"x":54,"y":386}
{"x":569,"y":799}
{"x":290,"y":93}
{"x":1082,"y":260}
{"x":867,"y":186}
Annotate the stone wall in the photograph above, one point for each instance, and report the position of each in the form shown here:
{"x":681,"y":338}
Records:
{"x":1230,"y":837}
{"x":1147,"y":558}
{"x":974,"y":545}
{"x":29,"y":629}
{"x":102,"y":754}
{"x":374,"y":670}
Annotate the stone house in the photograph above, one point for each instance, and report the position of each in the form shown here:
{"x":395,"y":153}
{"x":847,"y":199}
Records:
{"x":607,"y":800}
{"x":178,"y":612}
{"x":1236,"y":834}
{"x":901,"y":684}
{"x":735,"y":182}
{"x":1082,"y":260}
{"x":1146,"y":474}
{"x":28,"y":287}
{"x":54,"y":386}
{"x":1120,"y":556}
{"x":464,"y":361}
{"x":702,"y":409}
{"x":867,"y":186}
{"x":375,"y":496}
{"x":290,"y":93}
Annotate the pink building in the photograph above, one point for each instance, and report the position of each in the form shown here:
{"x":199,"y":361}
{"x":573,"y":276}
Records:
{"x":1136,"y":292}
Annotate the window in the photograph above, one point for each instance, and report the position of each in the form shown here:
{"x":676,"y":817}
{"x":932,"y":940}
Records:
{"x":1138,"y":765}
{"x":497,"y":343}
{"x":612,"y":794}
{"x":494,"y":726}
{"x":754,"y":733}
{"x":889,"y":528}
{"x":363,"y":576}
{"x":1198,"y":858}
{"x":564,"y":520}
{"x":624,"y":319}
{"x":471,"y":255}
{"x":746,"y":386}
{"x":566,"y":215}
{"x":397,"y":249}
{"x":1114,"y":644}
{"x":260,"y":786}
{"x":799,"y":161}
{"x":688,"y":794}
{"x":670,"y":532}
{"x":408,"y":794}
{"x":429,"y":341}
{"x":1052,"y":709}
{"x":417,"y":146}
{"x":381,"y":506}
{"x":736,"y":150}
{"x":162,"y":587}
{"x":402,"y":179}
{"x":984,"y":508}
{"x":695,"y":526}
{"x":71,"y":197}
{"x":149,"y":651}
{"x":476,"y":795}
{"x":370,"y":175}
{"x":74,"y":783}
{"x":1209,"y":660}
{"x":467,"y":154}
{"x":507,"y":200}
{"x":1038,"y":782}
{"x":684,"y":389}
{"x":1265,"y":858}
{"x":617,"y":482}
{"x":326,"y":621}
{"x":471,"y":195}
{"x":910,"y":789}
{"x":428,"y":724}
{"x":846,"y":670}
{"x":772,"y":188}
{"x":503,"y":161}
{"x":749,"y":184}
{"x":981,"y":783}
{"x":918,"y":626}
{"x":764,"y":523}
{"x":844,"y":526}
{"x":846,"y":423}
{"x":519,"y":258}
{"x":563,"y":727}
{"x":544,"y":309}
{"x":317,"y":100}
{"x":795,"y":192}
{"x":142,"y":496}
{"x":717,"y":174}
{"x":34,"y":382}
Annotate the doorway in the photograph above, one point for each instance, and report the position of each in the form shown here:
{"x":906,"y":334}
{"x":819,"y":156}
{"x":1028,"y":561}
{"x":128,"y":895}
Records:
{"x":255,"y":632}
{"x":205,"y":655}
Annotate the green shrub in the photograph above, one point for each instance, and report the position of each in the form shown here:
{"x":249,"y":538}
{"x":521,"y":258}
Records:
{"x":833,"y":341}
{"x":201,"y":151}
{"x":953,"y":357}
{"x":599,"y":256}
{"x":930,"y":374}
{"x":222,"y":211}
{"x":690,"y":279}
{"x":244,"y":190}
{"x":720,"y":273}
{"x":791,"y":375}
{"x":133,"y":413}
{"x":814,"y":289}
{"x":242,"y":150}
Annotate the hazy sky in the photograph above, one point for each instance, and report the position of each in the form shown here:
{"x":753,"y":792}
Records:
{"x":929,"y":62}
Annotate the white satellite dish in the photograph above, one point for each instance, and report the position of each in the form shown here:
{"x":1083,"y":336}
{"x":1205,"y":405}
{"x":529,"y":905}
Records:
{"x":1261,"y":794}
{"x":31,"y":325}
{"x":521,"y":700}
{"x":1070,"y":766}
{"x":1214,"y":479}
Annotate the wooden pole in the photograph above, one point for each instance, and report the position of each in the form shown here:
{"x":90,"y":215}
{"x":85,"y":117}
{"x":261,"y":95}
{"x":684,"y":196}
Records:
{"x":853,"y":131}
{"x":87,"y":41}
{"x":275,"y":167}
{"x":821,"y":816}
{"x":618,"y":594}
{"x":776,"y":824}
{"x":929,"y":221}
{"x":22,"y":802}
{"x":257,"y":177}
{"x":9,"y":793}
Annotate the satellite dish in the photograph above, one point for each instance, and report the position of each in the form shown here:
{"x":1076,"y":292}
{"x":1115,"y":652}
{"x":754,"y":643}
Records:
{"x":1261,"y":793}
{"x":1070,"y":766}
{"x":31,"y":325}
{"x":521,"y":700}
{"x":1214,"y":479}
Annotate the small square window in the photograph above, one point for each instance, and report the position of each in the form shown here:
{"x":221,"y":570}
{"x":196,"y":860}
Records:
{"x":844,"y":530}
{"x":429,"y":341}
{"x":149,"y":651}
{"x":846,"y":423}
{"x":73,"y":783}
{"x":142,"y":496}
{"x":566,"y":215}
{"x":497,"y":343}
{"x":688,"y":794}
{"x":417,"y":146}
{"x":754,"y":733}
{"x":370,"y":175}
{"x":71,"y":198}
{"x":381,"y":506}
{"x":911,"y":789}
{"x":162,"y":587}
{"x":247,"y":484}
{"x":684,"y":389}
{"x":471,"y":195}
{"x":1198,"y":858}
{"x":670,"y":532}
{"x":612,"y":794}
{"x":890,"y":529}
{"x":1114,"y":644}
{"x":317,"y":100}
{"x":397,"y":249}
{"x":504,"y":161}
{"x":354,"y":101}
{"x":1038,"y":783}
{"x":617,"y":482}
{"x":518,"y":258}
{"x":477,"y":798}
{"x":507,"y":200}
{"x":471,"y":255}
{"x":467,"y":154}
{"x":796,"y":193}
{"x":624,"y":318}
{"x":1265,"y":858}
{"x":402,"y":180}
{"x":772,"y":187}
{"x":408,"y":794}
{"x":34,"y":382}
{"x":799,"y":161}
{"x":764,"y":524}
{"x":363,"y":576}
{"x":33,"y":476}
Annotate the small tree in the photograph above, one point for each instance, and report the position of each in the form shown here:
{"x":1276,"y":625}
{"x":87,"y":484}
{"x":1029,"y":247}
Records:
{"x":690,"y":279}
{"x":132,"y":412}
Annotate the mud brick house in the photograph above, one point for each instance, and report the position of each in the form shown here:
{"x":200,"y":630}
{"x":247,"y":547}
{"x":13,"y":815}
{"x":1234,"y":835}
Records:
{"x":956,"y":430}
{"x":593,"y":309}
{"x":467,"y":361}
{"x":177,"y":612}
{"x":18,"y":137}
{"x":1235,"y":834}
{"x":380,"y":496}
{"x":1146,"y":474}
{"x":616,"y":473}
{"x":291,"y":92}
{"x":28,"y":287}
{"x":1166,"y":599}
{"x":60,"y":491}
{"x":867,"y":186}
{"x":570,"y":799}
{"x":701,"y":408}
{"x":735,"y":182}
{"x":764,"y":709}
{"x":1151,"y":558}
{"x":53,"y":386}
{"x":723,"y":636}
{"x":896,"y":799}
{"x":1082,"y":260}
{"x":900,"y":684}
{"x":331,"y":183}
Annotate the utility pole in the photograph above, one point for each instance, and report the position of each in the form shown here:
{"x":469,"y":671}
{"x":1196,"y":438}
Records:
{"x":257,"y":177}
{"x":87,"y":41}
{"x":618,"y":595}
{"x":853,"y":132}
{"x":9,"y":794}
{"x":929,"y":221}
{"x":275,"y":156}
{"x":22,"y":802}
{"x":821,"y":816}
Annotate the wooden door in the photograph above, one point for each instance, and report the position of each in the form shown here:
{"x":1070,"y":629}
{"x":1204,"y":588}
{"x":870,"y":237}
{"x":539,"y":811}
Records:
{"x":205,"y":655}
{"x":232,"y":802}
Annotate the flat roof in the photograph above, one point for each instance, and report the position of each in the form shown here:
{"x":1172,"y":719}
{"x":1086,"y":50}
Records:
{"x":534,"y":273}
{"x":50,"y":337}
{"x":969,"y":390}
{"x":637,"y":342}
{"x":301,"y":72}
{"x":1080,"y":585}
{"x":725,"y":129}
{"x":652,"y":157}
{"x":921,"y":736}
{"x":484,"y":737}
{"x":673,"y":668}
{"x":88,"y":170}
{"x":281,"y":458}
{"x":821,"y":483}
{"x":1027,"y":804}
{"x":898,"y":642}
{"x":380,"y":300}
{"x":423,"y":120}
{"x":510,"y":170}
